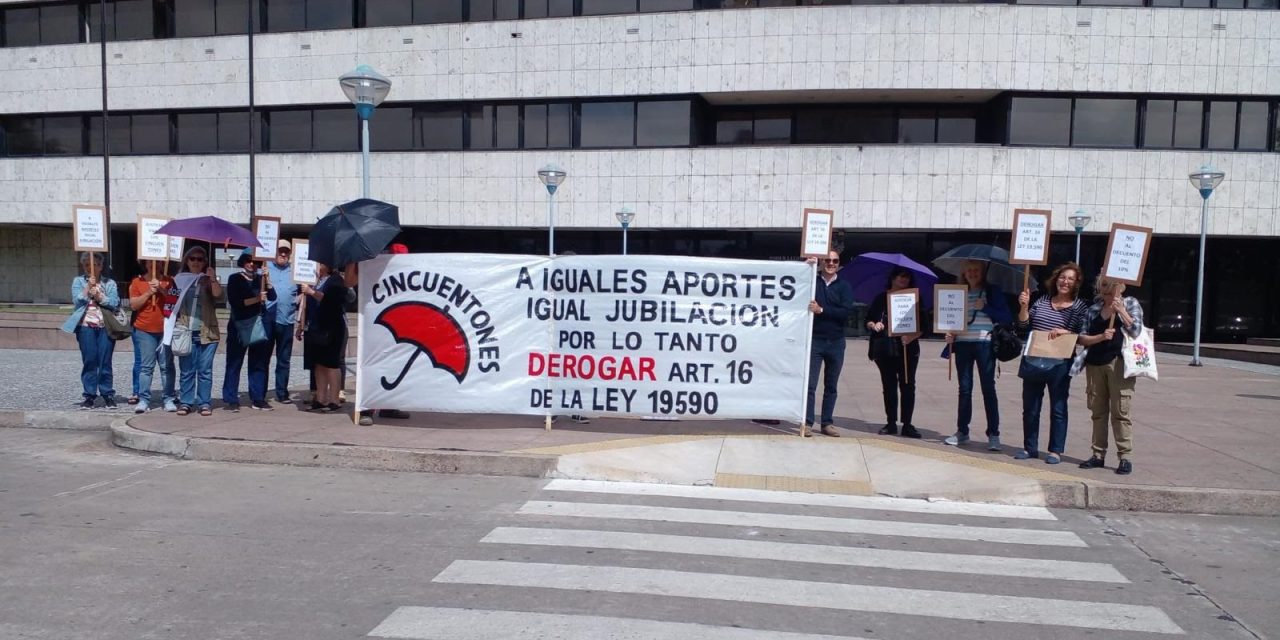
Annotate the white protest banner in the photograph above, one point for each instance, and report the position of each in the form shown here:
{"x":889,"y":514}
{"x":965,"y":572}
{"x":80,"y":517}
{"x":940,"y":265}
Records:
{"x":1127,"y":251}
{"x":90,"y":228}
{"x":175,"y":247}
{"x":304,"y":269}
{"x":588,"y":335}
{"x":817,"y":227}
{"x":152,"y":245}
{"x":904,"y":312}
{"x":949,"y":313}
{"x":267,"y":230}
{"x":1030,"y":242}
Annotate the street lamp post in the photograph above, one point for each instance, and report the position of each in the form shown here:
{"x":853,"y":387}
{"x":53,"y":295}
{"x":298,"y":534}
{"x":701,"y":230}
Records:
{"x":366,"y":89}
{"x":1205,"y":181}
{"x":1079,"y":220}
{"x":552,"y":176}
{"x":625,"y":216}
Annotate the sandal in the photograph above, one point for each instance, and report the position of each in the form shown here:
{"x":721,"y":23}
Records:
{"x":184,"y":410}
{"x":206,"y":411}
{"x":133,"y":400}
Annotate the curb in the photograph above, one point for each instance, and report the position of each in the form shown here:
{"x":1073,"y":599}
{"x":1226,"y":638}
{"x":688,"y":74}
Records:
{"x":69,"y":420}
{"x":335,"y":456}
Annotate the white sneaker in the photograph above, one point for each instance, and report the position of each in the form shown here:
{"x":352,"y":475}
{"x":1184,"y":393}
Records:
{"x":993,"y":443}
{"x":956,"y":440}
{"x":141,"y":407}
{"x":170,"y":406}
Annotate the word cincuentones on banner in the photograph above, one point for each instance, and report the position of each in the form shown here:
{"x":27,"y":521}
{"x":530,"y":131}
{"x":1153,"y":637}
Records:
{"x":592,"y":335}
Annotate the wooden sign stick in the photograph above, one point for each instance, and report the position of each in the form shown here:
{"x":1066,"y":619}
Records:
{"x":951,"y":358}
{"x":906,"y":368}
{"x":1026,"y":277}
{"x":93,"y":263}
{"x":152,"y":270}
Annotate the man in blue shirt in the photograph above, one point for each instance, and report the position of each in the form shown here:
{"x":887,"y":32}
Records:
{"x":831,"y":306}
{"x":282,"y":313}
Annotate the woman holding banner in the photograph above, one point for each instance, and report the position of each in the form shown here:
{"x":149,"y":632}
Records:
{"x":987,"y":308}
{"x":192,"y":330}
{"x":94,"y":294}
{"x":1108,"y":391}
{"x":324,"y":337}
{"x":897,"y":374}
{"x":1058,"y":313}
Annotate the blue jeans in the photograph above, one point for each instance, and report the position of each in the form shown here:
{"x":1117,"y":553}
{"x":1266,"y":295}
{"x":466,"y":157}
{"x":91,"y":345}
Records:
{"x":259,"y":355}
{"x":967,"y":355}
{"x":828,"y":355}
{"x":197,"y":373}
{"x":282,"y":338}
{"x":95,"y":362}
{"x":1059,"y":385}
{"x":147,"y":351}
{"x":137,"y":361}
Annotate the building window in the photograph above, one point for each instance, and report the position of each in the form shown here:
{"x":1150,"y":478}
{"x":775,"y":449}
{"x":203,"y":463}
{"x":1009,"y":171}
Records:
{"x":387,"y":13}
{"x":289,"y":130}
{"x":63,"y":135}
{"x":286,"y":15}
{"x":194,"y":18}
{"x":666,"y":123}
{"x":734,"y":127}
{"x":1040,"y":121}
{"x":60,"y":24}
{"x":437,"y":11}
{"x":233,"y":132}
{"x":1104,"y":122}
{"x":1253,"y":126}
{"x":844,"y":125}
{"x":22,"y":26}
{"x":149,"y":134}
{"x":917,"y":126}
{"x":606,"y":124}
{"x":23,"y":135}
{"x":772,"y":126}
{"x":1157,"y":129}
{"x":131,"y":20}
{"x":197,"y":132}
{"x":392,"y":129}
{"x":1222,"y":125}
{"x":330,"y":14}
{"x":607,"y":7}
{"x":1188,"y":124}
{"x":335,"y":129}
{"x":118,"y":136}
{"x":653,"y":6}
{"x":439,"y":128}
{"x":548,"y":8}
{"x":957,"y":126}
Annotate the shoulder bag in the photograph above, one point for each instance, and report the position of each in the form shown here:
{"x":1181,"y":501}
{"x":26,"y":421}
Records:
{"x":116,"y":323}
{"x":251,"y":331}
{"x":1140,"y":355}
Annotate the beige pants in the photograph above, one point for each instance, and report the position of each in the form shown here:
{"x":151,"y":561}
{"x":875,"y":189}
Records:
{"x":1109,"y":394}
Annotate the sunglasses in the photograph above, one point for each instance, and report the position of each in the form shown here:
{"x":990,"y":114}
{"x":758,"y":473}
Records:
{"x":830,"y":261}
{"x":198,"y":258}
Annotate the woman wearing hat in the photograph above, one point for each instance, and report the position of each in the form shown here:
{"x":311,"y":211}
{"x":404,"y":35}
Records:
{"x":246,"y":297}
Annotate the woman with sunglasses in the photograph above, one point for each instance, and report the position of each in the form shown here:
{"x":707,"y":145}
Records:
{"x":196,"y":312}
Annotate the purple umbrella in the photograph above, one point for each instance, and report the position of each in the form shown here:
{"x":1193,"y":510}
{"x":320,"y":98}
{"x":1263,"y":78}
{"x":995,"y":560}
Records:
{"x":868,"y":274}
{"x":210,"y":229}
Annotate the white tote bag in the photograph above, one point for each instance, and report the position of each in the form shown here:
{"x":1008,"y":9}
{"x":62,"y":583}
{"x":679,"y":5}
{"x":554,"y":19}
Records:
{"x":1140,"y":356}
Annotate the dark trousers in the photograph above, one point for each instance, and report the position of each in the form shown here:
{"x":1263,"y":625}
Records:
{"x":282,"y":340}
{"x":1059,"y":384}
{"x":893,"y":382}
{"x":981,"y":355}
{"x":259,"y":356}
{"x":827,"y":355}
{"x":95,"y":362}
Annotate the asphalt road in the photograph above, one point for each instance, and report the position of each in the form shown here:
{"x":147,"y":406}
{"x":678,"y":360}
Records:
{"x":99,"y":543}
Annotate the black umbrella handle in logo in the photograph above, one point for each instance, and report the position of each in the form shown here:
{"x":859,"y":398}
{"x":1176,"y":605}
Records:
{"x":403,"y":372}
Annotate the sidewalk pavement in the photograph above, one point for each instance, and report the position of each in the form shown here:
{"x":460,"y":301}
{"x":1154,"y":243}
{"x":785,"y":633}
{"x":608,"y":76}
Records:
{"x":1205,"y":441}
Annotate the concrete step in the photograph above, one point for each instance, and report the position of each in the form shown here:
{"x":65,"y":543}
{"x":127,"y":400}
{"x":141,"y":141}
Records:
{"x":1238,"y":352}
{"x":1263,"y":342}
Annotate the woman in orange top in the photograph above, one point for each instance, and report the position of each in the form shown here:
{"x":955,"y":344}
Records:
{"x":152,"y":301}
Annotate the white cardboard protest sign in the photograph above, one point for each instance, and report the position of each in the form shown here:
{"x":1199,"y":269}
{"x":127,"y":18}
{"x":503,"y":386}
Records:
{"x":175,"y":247}
{"x":1127,"y":252}
{"x":90,"y":228}
{"x":950,"y":314}
{"x":267,"y":230}
{"x":700,"y":338}
{"x":304,"y":269}
{"x":152,"y":245}
{"x":904,"y":312}
{"x":817,"y":227}
{"x":1030,"y":243}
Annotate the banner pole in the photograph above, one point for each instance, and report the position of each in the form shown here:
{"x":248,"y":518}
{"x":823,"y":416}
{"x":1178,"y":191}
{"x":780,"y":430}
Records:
{"x":360,"y":302}
{"x":808,"y":353}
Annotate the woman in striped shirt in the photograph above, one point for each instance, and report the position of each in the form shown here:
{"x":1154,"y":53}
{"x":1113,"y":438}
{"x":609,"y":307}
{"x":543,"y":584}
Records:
{"x":1060,"y":313}
{"x":987,"y":308}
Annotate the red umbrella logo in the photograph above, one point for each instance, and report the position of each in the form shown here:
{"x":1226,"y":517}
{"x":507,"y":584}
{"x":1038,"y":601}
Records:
{"x":433,"y":331}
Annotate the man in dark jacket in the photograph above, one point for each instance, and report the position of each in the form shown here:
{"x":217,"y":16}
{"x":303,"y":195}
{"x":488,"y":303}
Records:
{"x":831,"y":306}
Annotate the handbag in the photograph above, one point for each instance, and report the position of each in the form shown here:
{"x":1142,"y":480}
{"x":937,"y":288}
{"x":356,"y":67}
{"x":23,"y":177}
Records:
{"x":251,"y":331}
{"x":1038,"y":368}
{"x":180,"y":342}
{"x":116,"y":323}
{"x":317,"y":338}
{"x":1140,"y":355}
{"x":1005,"y":342}
{"x":882,"y":347}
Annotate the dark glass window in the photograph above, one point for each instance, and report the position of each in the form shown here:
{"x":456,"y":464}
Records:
{"x":665,"y":123}
{"x":63,"y":135}
{"x":437,"y":11}
{"x":479,"y":10}
{"x":506,"y":126}
{"x":391,"y":129}
{"x":607,"y":7}
{"x":772,"y":126}
{"x":916,"y":126}
{"x":386,"y":13}
{"x":149,"y":134}
{"x":60,"y":24}
{"x":548,"y":8}
{"x":535,"y":126}
{"x":232,"y":17}
{"x":1104,"y":122}
{"x":1188,"y":120}
{"x":289,"y":130}
{"x":22,"y":26}
{"x":607,"y":124}
{"x":1222,"y":125}
{"x":134,"y":20}
{"x":439,"y":128}
{"x":1230,"y":4}
{"x":197,"y":132}
{"x":337,"y":129}
{"x":844,"y":125}
{"x":957,"y":126}
{"x":506,"y":9}
{"x":23,"y":136}
{"x":735,"y":127}
{"x":1157,"y":130}
{"x":118,"y":135}
{"x":480,"y":124}
{"x":1253,"y":126}
{"x":650,"y":6}
{"x":286,"y":15}
{"x":559,"y":125}
{"x":1040,"y":121}
{"x":1195,"y":4}
{"x":194,"y":18}
{"x":330,"y":14}
{"x":233,"y":132}
{"x":1262,"y":4}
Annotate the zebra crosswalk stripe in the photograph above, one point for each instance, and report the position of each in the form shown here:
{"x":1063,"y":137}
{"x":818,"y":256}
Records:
{"x":798,"y":522}
{"x":921,"y":602}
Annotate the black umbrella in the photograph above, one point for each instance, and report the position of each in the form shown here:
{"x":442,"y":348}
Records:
{"x":355,"y":231}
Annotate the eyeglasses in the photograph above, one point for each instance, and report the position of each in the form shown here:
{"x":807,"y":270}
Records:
{"x":830,"y":261}
{"x":198,"y":258}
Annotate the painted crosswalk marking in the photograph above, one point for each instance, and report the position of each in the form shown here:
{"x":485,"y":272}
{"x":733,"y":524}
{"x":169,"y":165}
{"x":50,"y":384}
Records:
{"x":807,"y":499}
{"x":799,"y":593}
{"x":810,"y":553}
{"x":798,"y":522}
{"x":440,"y":623}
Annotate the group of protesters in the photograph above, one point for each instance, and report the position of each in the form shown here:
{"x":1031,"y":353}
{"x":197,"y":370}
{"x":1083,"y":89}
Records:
{"x":1100,"y":328}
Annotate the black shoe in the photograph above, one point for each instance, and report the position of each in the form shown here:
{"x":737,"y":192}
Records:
{"x":285,"y":400}
{"x":766,"y":423}
{"x":262,"y":406}
{"x":394,"y":414}
{"x":1093,"y":463}
{"x":1125,"y":467}
{"x":109,"y":404}
{"x":233,"y":408}
{"x":909,"y":431}
{"x":87,"y":404}
{"x":889,"y":430}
